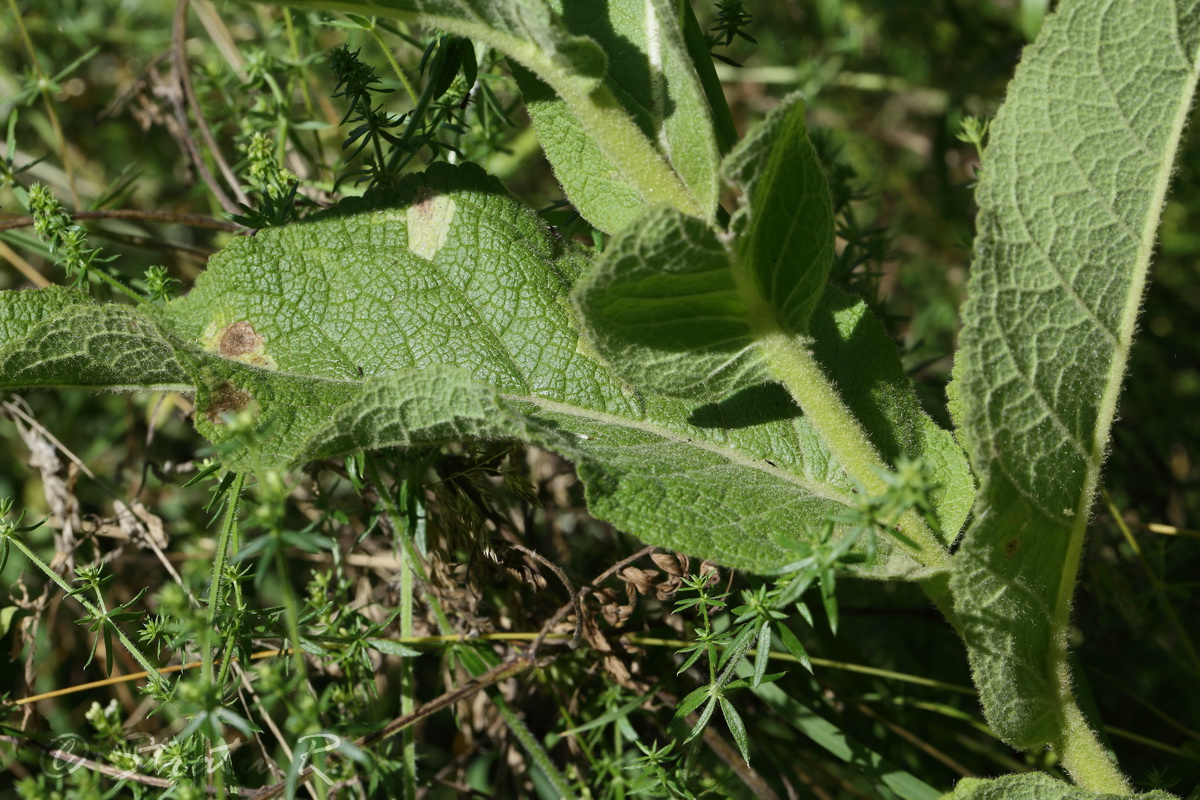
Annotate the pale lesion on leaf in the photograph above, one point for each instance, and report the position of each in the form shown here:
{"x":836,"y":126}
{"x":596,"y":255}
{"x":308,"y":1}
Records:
{"x":428,"y":220}
{"x":237,"y":341}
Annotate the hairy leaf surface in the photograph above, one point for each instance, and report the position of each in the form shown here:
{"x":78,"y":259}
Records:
{"x":19,"y":311}
{"x":676,"y":308}
{"x":1037,"y":786}
{"x":785,"y":223}
{"x":439,"y":312}
{"x":652,"y":77}
{"x":58,"y":337}
{"x":1072,"y":187}
{"x":680,"y":309}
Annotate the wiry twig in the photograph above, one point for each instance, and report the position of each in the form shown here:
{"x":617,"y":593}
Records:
{"x":140,"y":215}
{"x":571,"y":593}
{"x":187,"y":95}
{"x":502,"y":671}
{"x":576,"y":601}
{"x":159,"y":245}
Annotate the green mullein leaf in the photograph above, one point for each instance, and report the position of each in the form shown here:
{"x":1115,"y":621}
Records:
{"x":1037,"y":786}
{"x":1073,"y":183}
{"x":654,"y":80}
{"x":680,"y":309}
{"x":438,"y":311}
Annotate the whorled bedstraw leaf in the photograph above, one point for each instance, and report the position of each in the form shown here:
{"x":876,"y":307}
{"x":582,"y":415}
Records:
{"x":653,"y":80}
{"x":1072,"y":186}
{"x":674,"y":164}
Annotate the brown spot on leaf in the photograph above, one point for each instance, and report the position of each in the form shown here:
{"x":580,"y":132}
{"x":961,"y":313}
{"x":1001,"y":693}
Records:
{"x":239,"y":339}
{"x":226,"y":399}
{"x":1011,"y":547}
{"x":423,"y":202}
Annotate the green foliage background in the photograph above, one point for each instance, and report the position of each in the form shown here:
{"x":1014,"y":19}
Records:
{"x":887,"y":85}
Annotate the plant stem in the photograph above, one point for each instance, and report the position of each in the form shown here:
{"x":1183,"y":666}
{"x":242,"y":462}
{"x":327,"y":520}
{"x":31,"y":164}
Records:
{"x":797,"y":369}
{"x":1083,"y":755}
{"x":395,"y":65}
{"x":405,"y":523}
{"x":151,"y":670}
{"x":411,"y":556}
{"x":192,"y":220}
{"x":214,"y":586}
{"x":117,"y":285}
{"x":408,"y":687}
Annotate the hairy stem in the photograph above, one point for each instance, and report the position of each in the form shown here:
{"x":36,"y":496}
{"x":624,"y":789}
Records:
{"x":1083,"y":755}
{"x":797,"y":369}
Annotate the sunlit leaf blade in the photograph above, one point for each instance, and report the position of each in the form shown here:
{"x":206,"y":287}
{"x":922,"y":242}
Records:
{"x":785,"y":223}
{"x":53,"y":337}
{"x":19,"y":311}
{"x":671,"y":283}
{"x":639,"y":474}
{"x":663,"y":307}
{"x":439,"y":312}
{"x":1072,"y":186}
{"x":652,"y":78}
{"x":452,"y":271}
{"x":436,"y":405}
{"x":1037,"y":786}
{"x":593,"y":183}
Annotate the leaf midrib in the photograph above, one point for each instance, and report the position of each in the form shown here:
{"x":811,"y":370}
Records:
{"x":733,"y":455}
